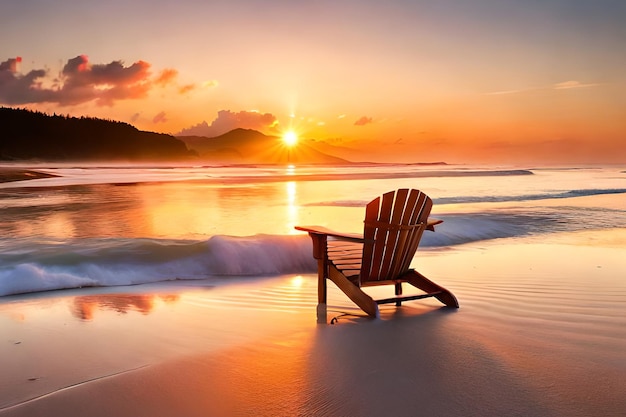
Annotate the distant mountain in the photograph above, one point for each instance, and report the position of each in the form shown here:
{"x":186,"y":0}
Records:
{"x":343,"y":151}
{"x":27,"y":135}
{"x":253,"y":147}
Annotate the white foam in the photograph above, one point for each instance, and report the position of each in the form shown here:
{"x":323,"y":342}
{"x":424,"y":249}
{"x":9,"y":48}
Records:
{"x":136,"y":261}
{"x":127,"y":261}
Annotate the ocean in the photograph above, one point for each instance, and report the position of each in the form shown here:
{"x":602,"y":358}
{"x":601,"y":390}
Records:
{"x":102,"y":226}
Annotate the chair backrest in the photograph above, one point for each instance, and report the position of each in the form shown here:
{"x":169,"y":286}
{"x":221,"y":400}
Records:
{"x":394,"y":224}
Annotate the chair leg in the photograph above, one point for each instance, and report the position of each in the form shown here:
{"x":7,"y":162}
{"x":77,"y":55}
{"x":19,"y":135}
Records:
{"x":398,"y":292}
{"x":420,"y":281}
{"x":322,"y":313}
{"x":360,"y":298}
{"x":321,"y":281}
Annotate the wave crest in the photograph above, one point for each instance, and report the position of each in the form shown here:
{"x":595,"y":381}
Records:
{"x":136,"y":261}
{"x":113,"y":262}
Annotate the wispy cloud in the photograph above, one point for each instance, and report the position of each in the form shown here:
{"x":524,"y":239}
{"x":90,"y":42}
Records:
{"x":572,"y":84}
{"x":80,"y":82}
{"x":503,"y":92}
{"x":558,"y":86}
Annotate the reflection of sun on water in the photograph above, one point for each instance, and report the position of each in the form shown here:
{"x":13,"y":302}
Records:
{"x":292,"y":207}
{"x":291,"y":192}
{"x":297,"y":281}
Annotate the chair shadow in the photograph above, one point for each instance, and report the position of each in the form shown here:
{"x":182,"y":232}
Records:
{"x":387,"y":312}
{"x":413,"y":360}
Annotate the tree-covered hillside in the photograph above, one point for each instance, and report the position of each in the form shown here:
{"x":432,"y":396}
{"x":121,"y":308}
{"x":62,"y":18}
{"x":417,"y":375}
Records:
{"x":28,"y":135}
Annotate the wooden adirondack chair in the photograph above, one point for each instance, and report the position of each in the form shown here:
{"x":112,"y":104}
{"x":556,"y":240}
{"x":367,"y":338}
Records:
{"x":394,"y":224}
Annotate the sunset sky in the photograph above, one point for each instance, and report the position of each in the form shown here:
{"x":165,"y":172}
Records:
{"x":499,"y":81}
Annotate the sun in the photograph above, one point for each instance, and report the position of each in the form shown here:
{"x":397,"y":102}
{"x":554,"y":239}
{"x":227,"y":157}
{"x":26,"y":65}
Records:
{"x":290,"y":138}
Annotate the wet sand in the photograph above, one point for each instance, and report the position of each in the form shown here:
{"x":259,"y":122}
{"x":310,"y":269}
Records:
{"x":540,"y":332}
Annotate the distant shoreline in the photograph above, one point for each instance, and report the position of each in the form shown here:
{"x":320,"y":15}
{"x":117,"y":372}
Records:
{"x":15,"y":174}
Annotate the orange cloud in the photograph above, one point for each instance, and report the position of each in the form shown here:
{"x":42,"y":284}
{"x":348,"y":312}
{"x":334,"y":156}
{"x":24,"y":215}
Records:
{"x":166,"y":77}
{"x":186,"y":88}
{"x":227,"y":120}
{"x":81,"y":82}
{"x":363,"y":121}
{"x":104,"y":83}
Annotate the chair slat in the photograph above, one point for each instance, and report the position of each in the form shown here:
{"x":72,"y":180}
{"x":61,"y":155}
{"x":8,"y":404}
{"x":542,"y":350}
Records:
{"x":404,"y":243}
{"x":345,"y":252}
{"x":345,"y":249}
{"x":371,"y":214}
{"x":420,"y":216}
{"x":347,"y":265}
{"x":342,"y":258}
{"x":380,"y":237}
{"x":402,"y":238}
{"x":341,"y":243}
{"x":392,"y":248}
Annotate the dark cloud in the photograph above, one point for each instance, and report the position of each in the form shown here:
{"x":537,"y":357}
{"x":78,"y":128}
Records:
{"x":363,"y":121}
{"x":80,"y":82}
{"x":20,"y":89}
{"x":228,"y":120}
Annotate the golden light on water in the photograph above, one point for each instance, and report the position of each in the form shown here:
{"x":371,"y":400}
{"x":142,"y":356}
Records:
{"x":297,"y":281}
{"x":292,"y":207}
{"x":290,"y":138}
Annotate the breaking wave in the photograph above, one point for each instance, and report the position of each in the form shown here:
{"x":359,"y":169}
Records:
{"x":489,"y":198}
{"x":114,"y":262}
{"x":528,"y":197}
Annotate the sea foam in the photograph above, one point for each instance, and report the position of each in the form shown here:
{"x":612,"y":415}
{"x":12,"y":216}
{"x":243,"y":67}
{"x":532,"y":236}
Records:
{"x":29,"y":266}
{"x":136,"y":261}
{"x":125,"y":261}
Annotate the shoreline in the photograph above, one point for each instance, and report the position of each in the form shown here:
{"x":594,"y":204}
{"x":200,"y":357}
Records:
{"x":534,"y":335}
{"x":17,"y":174}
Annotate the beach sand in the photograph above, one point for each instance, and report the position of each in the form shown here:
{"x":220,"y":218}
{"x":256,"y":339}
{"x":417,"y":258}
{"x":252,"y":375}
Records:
{"x":540,"y":332}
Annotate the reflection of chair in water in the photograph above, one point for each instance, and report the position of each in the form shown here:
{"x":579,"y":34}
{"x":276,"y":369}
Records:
{"x":394,"y":224}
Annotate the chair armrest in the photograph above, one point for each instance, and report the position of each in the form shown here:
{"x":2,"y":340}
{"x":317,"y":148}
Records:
{"x":320,"y":230}
{"x":354,"y":237}
{"x":431,"y":223}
